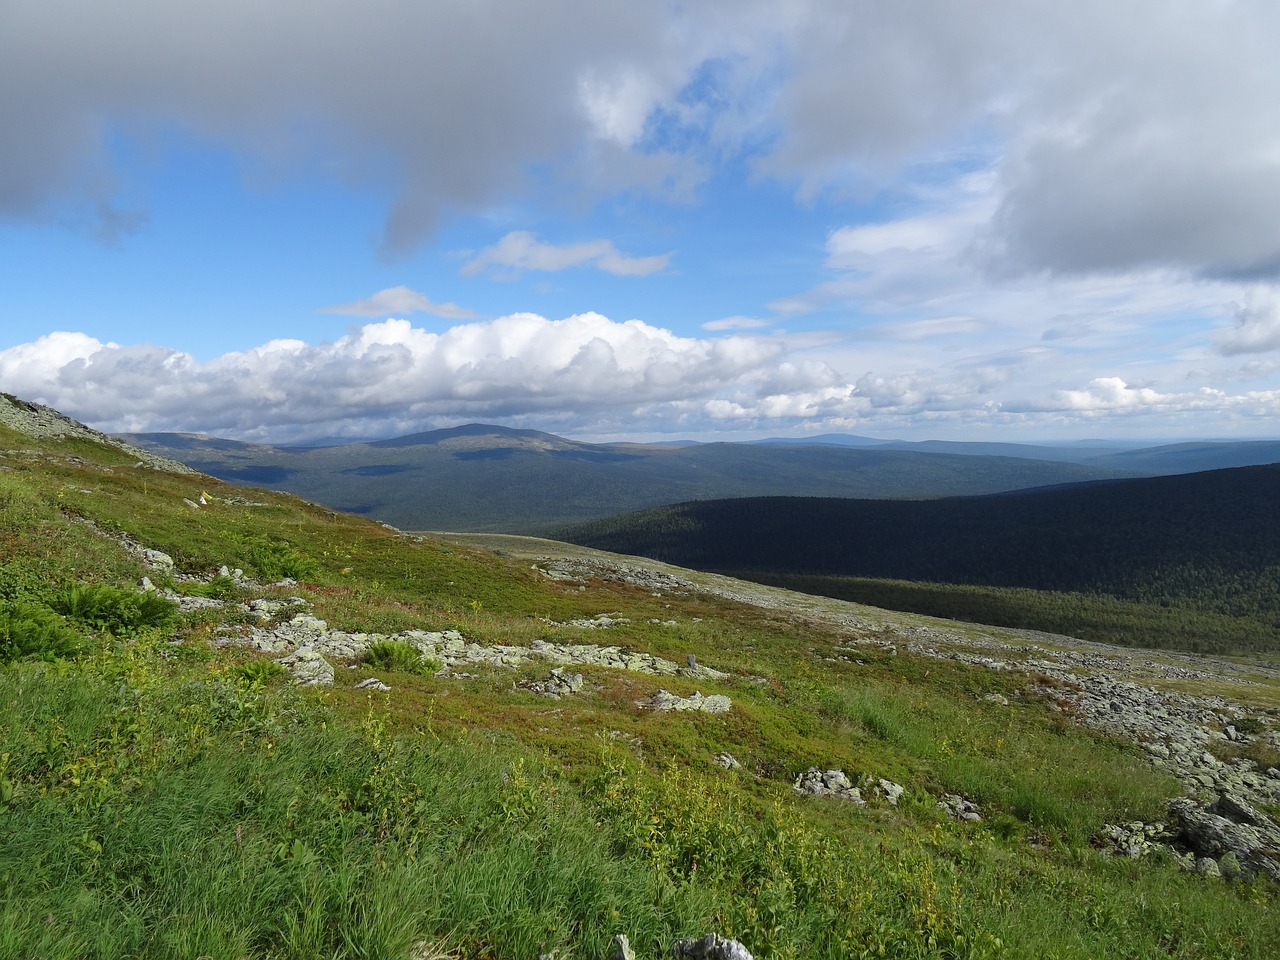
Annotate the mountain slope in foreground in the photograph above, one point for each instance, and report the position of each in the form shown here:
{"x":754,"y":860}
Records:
{"x":354,"y":742}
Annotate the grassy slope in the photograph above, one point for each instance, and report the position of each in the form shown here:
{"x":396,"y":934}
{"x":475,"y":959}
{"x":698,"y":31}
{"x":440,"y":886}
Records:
{"x":156,"y":800}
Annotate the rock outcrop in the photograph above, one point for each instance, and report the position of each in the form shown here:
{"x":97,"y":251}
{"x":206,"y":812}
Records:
{"x":38,"y":421}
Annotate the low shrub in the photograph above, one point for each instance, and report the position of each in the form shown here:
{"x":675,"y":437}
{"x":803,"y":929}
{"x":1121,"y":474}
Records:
{"x":22,"y":579}
{"x":399,"y":655}
{"x":31,"y":631}
{"x":119,"y":612}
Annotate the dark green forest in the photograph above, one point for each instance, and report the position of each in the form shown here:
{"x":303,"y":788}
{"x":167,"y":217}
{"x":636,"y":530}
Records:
{"x":1189,"y":561}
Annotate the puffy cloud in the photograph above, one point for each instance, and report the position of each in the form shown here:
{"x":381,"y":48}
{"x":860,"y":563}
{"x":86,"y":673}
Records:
{"x":520,"y":250}
{"x":1109,"y":393}
{"x":399,"y":301}
{"x":391,"y":375}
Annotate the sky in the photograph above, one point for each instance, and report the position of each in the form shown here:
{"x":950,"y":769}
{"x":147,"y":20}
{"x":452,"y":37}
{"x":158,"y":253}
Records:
{"x":1017,"y":220}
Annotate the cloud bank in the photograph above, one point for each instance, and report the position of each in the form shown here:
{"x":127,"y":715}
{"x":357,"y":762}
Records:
{"x":585,"y":375}
{"x":384,"y":377}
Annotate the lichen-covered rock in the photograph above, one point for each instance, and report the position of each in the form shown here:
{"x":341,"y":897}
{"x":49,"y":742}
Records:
{"x":1245,"y":833}
{"x":158,"y":561}
{"x":958,"y":808}
{"x":558,"y":684}
{"x":832,"y":783}
{"x":663,"y":701}
{"x":601,"y":621}
{"x":308,"y":668}
{"x":1134,"y":839}
{"x":700,"y":671}
{"x":889,"y":790}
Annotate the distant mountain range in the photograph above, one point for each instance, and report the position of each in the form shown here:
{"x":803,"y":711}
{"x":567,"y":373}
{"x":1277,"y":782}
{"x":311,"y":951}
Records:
{"x":488,"y":478}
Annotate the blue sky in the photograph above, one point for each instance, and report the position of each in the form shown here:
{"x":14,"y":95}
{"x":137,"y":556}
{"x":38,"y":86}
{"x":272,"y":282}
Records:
{"x":714,"y":219}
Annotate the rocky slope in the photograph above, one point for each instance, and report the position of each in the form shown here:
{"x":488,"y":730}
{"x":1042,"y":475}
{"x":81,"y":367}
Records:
{"x":1225,"y":823}
{"x":36,"y":420}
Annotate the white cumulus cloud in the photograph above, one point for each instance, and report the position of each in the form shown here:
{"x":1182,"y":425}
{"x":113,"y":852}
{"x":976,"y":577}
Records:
{"x":389,"y":376}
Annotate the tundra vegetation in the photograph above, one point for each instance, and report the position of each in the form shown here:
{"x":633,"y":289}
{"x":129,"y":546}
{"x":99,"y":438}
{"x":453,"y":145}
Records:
{"x":167,"y":792}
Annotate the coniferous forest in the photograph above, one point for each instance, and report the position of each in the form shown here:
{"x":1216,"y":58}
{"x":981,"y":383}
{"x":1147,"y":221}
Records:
{"x":1191,"y":561}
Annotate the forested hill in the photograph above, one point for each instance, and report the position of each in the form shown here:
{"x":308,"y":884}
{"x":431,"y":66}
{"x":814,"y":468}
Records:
{"x":484,"y":477}
{"x":1211,"y":537}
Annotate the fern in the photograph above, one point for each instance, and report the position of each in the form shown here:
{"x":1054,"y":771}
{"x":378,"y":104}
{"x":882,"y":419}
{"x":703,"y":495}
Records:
{"x":119,"y":612}
{"x":31,"y":631}
{"x":277,"y":561}
{"x":399,"y":655}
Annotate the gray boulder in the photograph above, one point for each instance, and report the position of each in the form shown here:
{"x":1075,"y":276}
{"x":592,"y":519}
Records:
{"x":1242,"y":831}
{"x":958,"y":808}
{"x":622,"y":948}
{"x":558,"y":684}
{"x":158,"y":561}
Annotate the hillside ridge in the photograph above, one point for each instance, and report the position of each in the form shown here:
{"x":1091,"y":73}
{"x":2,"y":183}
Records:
{"x":38,"y":421}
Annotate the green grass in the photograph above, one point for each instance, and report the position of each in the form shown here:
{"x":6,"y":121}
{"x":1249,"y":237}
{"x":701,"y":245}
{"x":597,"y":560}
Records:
{"x":249,"y":827}
{"x":183,"y":816}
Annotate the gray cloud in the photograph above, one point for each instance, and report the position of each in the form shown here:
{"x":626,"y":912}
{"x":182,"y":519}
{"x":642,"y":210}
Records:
{"x":1123,"y":134}
{"x":448,"y":102}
